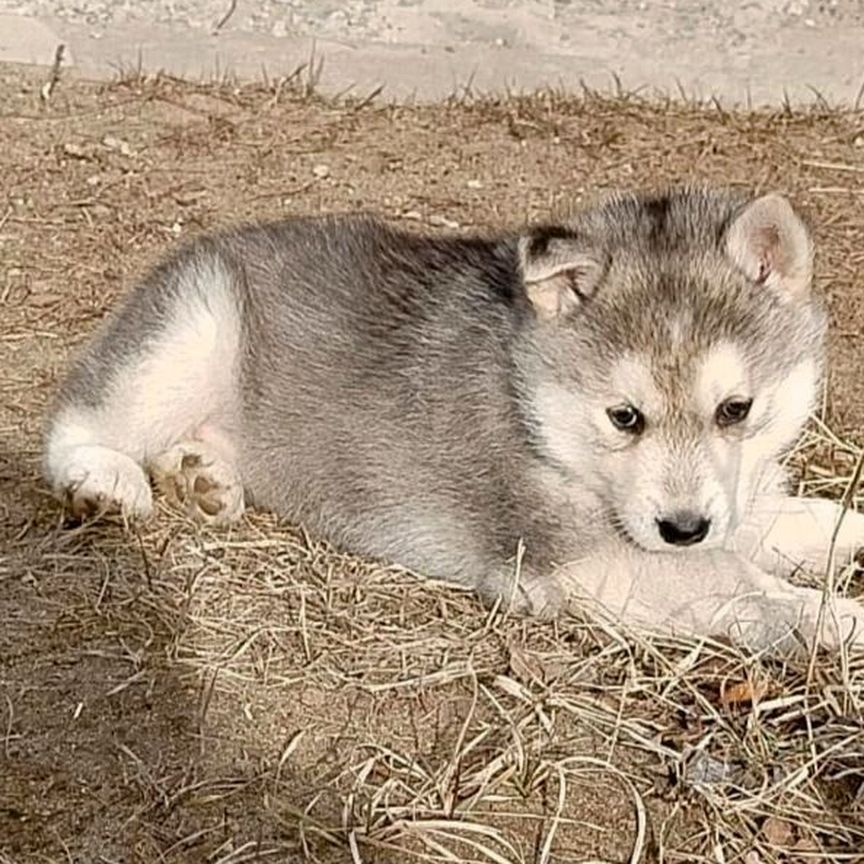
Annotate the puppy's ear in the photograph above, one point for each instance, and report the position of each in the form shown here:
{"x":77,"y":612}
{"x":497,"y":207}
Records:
{"x":771,"y":246}
{"x":560,"y":269}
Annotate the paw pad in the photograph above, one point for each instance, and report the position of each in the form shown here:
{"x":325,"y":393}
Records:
{"x":205,"y":487}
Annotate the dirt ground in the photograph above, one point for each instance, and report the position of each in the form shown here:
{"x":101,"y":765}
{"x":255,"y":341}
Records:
{"x":169,"y":694}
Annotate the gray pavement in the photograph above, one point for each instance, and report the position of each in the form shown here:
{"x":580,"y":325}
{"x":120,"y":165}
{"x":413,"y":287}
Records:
{"x":757,"y":52}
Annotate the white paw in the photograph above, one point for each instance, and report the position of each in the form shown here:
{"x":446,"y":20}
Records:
{"x":842,"y":621}
{"x":850,"y":536}
{"x":791,"y":624}
{"x":94,"y":480}
{"x":197,"y":480}
{"x":540,"y":596}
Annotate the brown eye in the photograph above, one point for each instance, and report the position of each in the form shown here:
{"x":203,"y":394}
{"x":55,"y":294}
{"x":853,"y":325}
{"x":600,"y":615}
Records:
{"x":627,"y":419}
{"x":732,"y":411}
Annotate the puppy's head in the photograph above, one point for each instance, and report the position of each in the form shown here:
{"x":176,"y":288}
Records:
{"x":675,"y":352}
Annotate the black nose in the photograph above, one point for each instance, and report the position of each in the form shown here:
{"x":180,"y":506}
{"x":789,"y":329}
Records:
{"x":684,"y":529}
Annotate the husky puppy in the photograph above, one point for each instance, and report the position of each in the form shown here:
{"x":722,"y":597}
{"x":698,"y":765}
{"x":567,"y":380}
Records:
{"x":594,"y":407}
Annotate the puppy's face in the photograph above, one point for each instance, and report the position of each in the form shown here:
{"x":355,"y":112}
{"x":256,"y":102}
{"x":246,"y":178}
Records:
{"x":676,"y":450}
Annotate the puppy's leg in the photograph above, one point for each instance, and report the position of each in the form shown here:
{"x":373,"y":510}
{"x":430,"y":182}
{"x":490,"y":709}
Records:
{"x":782,"y":534}
{"x":200,"y":477}
{"x":710,"y":593}
{"x":164,"y":367}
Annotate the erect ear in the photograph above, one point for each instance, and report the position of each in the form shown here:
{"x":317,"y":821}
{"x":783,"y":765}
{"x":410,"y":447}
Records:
{"x":560,"y":269}
{"x":771,"y":245}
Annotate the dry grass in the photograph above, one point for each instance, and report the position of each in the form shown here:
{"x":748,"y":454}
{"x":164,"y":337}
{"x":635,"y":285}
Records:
{"x":171,"y":694}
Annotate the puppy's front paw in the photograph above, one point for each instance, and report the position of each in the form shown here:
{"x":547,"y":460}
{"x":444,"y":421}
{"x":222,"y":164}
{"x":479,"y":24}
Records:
{"x":93,"y":480}
{"x":791,"y":624}
{"x":524,"y":593}
{"x":842,"y":621}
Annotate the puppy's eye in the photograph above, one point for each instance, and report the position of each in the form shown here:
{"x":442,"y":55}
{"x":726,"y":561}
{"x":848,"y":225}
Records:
{"x":627,"y":419}
{"x":732,"y":411}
